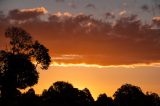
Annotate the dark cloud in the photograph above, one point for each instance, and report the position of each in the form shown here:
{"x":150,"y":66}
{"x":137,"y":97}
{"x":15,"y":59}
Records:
{"x":155,"y":1}
{"x":154,"y":7}
{"x":59,"y":0}
{"x":128,"y":41}
{"x":26,"y":14}
{"x":2,"y":16}
{"x":90,"y":5}
{"x":145,"y":7}
{"x":109,"y":15}
{"x":73,"y":5}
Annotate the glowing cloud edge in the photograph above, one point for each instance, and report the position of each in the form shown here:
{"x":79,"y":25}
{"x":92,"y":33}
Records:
{"x":56,"y":64}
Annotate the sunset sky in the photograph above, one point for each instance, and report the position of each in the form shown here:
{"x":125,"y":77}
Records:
{"x":98,"y":44}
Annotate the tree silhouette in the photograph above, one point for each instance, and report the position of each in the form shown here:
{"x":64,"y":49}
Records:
{"x":67,"y":93}
{"x":63,"y":93}
{"x":21,"y":43}
{"x":16,"y":64}
{"x":87,"y":97}
{"x":103,"y":100}
{"x":152,"y":99}
{"x":18,"y":73}
{"x":129,"y":95}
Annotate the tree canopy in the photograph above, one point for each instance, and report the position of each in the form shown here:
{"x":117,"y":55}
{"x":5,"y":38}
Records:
{"x":17,"y":68}
{"x":129,"y":95}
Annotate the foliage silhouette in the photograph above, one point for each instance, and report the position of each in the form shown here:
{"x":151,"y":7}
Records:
{"x":103,"y":100}
{"x":19,"y":73}
{"x":63,"y":93}
{"x":152,"y":99}
{"x":17,"y":70}
{"x":129,"y":95}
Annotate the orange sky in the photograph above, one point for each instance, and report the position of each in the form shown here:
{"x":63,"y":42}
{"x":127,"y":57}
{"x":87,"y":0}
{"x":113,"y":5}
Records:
{"x":111,"y":34}
{"x":101,"y":79}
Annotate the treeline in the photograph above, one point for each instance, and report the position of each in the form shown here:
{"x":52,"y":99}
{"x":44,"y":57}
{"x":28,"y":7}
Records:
{"x":64,"y":94}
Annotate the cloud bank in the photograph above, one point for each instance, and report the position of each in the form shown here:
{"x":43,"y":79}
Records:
{"x":26,"y":14}
{"x":89,"y":40}
{"x":90,"y":5}
{"x":59,"y":0}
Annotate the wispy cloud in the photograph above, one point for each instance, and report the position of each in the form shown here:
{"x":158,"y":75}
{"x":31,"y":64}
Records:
{"x":90,"y":5}
{"x":145,"y":7}
{"x":55,"y":64}
{"x":156,"y":20}
{"x":73,"y":5}
{"x":60,"y":1}
{"x":109,"y":15}
{"x":67,"y":57}
{"x":65,"y":14}
{"x":122,"y":13}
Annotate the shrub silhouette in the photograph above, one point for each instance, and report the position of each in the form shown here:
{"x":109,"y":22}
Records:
{"x":16,"y":67}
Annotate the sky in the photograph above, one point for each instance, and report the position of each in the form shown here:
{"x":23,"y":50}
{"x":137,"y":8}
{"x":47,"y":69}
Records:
{"x":98,"y":44}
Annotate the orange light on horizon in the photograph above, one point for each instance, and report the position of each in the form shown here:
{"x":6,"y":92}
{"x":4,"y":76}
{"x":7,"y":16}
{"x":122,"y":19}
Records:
{"x":99,"y":78}
{"x":62,"y":64}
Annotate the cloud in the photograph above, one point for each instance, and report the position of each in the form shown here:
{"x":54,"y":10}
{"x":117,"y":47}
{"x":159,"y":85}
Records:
{"x":65,"y":14}
{"x":25,"y":14}
{"x":145,"y":7}
{"x":103,"y":66}
{"x":67,"y":57}
{"x":73,"y":5}
{"x":41,"y":10}
{"x":122,"y":13}
{"x":80,"y":38}
{"x":2,"y":16}
{"x":109,"y":15}
{"x":155,"y":7}
{"x":156,"y":20}
{"x":59,"y":0}
{"x":62,"y":16}
{"x":90,"y":5}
